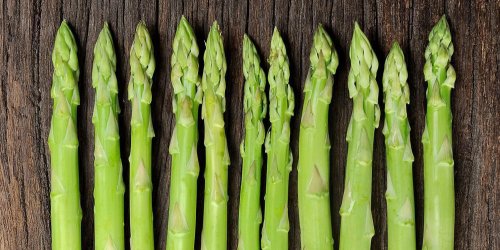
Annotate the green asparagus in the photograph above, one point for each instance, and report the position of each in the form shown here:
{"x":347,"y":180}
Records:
{"x":183,"y":145}
{"x":279,"y":156}
{"x":356,"y":229}
{"x":108,"y":185}
{"x":439,"y":194}
{"x":255,"y":107}
{"x":142,"y":67}
{"x":66,"y":213}
{"x":399,"y":194}
{"x":214,"y":233}
{"x":314,"y":146}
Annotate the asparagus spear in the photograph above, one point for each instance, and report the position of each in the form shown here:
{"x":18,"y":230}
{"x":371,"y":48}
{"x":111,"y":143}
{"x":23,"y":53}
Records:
{"x":439,"y":194}
{"x":108,"y":187}
{"x":183,"y":146}
{"x":314,"y":146}
{"x":399,"y":194}
{"x":214,"y":233}
{"x":255,"y":108}
{"x":142,"y":67}
{"x":66,"y":213}
{"x":356,"y":228}
{"x":279,"y":156}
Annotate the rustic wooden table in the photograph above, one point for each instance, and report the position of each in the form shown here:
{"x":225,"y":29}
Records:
{"x":26,"y":39}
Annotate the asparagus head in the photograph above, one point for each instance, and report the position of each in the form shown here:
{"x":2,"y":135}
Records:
{"x":255,"y":107}
{"x":356,"y":228}
{"x":399,"y":194}
{"x":65,"y":210}
{"x":183,"y":145}
{"x":279,"y":156}
{"x":142,"y":67}
{"x":439,"y":193}
{"x":314,"y":146}
{"x":214,"y":233}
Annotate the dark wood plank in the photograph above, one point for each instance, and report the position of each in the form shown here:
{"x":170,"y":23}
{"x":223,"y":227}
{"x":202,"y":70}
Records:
{"x":484,"y":215}
{"x":463,"y":112}
{"x":24,"y":180}
{"x":163,"y":118}
{"x":26,"y":40}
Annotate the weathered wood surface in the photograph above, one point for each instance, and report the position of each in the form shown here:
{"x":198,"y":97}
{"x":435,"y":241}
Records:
{"x":26,"y":39}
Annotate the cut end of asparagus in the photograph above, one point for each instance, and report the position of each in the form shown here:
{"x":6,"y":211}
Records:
{"x":255,"y":101}
{"x":185,"y":66}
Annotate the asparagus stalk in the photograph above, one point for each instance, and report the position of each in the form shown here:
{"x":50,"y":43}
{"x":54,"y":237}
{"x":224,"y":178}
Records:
{"x":214,"y":233}
{"x":314,"y":146}
{"x":108,"y":187}
{"x":66,"y":213}
{"x":183,"y":146}
{"x":439,"y":194}
{"x":399,"y":194}
{"x":279,"y":156}
{"x":255,"y":108}
{"x":142,"y":67}
{"x":356,"y":228}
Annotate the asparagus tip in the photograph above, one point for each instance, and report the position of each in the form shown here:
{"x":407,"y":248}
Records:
{"x":277,"y":42}
{"x":357,"y":28}
{"x":323,"y":50}
{"x":395,"y":46}
{"x":215,"y":26}
{"x":64,"y":26}
{"x":141,"y":26}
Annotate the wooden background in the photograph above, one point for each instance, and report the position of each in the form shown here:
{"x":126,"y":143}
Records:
{"x":26,"y":40}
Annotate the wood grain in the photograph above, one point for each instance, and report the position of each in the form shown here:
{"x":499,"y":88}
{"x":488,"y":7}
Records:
{"x":27,"y":30}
